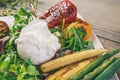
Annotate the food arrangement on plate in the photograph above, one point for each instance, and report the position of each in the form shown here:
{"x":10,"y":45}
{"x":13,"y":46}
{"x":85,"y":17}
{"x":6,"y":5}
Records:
{"x":54,"y":45}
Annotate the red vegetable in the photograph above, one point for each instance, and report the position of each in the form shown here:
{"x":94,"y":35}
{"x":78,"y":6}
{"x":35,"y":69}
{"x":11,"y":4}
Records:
{"x":62,"y":10}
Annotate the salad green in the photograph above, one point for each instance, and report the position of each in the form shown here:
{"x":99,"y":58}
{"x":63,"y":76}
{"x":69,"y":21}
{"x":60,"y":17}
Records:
{"x":11,"y":66}
{"x":75,"y":41}
{"x":72,"y":39}
{"x":21,"y":20}
{"x":14,"y":68}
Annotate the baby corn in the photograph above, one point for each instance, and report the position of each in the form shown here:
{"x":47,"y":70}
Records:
{"x":74,"y":69}
{"x":69,"y":59}
{"x":59,"y":72}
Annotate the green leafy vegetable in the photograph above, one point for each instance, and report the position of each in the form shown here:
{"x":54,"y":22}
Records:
{"x":31,"y":70}
{"x":57,"y":32}
{"x":74,"y":40}
{"x":22,"y":18}
{"x":11,"y":66}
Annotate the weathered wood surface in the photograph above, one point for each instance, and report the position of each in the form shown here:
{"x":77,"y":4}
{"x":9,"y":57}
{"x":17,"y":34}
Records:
{"x":104,"y":15}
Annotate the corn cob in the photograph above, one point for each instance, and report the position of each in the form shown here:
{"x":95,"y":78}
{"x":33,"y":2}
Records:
{"x":69,"y":59}
{"x":59,"y":72}
{"x":74,"y":69}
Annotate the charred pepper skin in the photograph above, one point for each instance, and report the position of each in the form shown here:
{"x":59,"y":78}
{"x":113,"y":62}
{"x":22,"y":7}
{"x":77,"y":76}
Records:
{"x":62,"y":10}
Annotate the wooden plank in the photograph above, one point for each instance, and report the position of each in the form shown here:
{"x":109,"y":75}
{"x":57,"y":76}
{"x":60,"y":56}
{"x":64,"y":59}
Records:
{"x":108,"y":44}
{"x":106,"y":33}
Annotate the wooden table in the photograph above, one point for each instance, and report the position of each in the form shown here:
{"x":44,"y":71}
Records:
{"x":104,"y":15}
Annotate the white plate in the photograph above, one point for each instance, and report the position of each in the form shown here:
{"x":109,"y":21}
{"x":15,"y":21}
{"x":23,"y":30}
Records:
{"x":97,"y":44}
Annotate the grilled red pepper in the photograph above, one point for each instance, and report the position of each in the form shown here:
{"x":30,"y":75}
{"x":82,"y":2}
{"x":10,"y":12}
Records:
{"x":62,"y":10}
